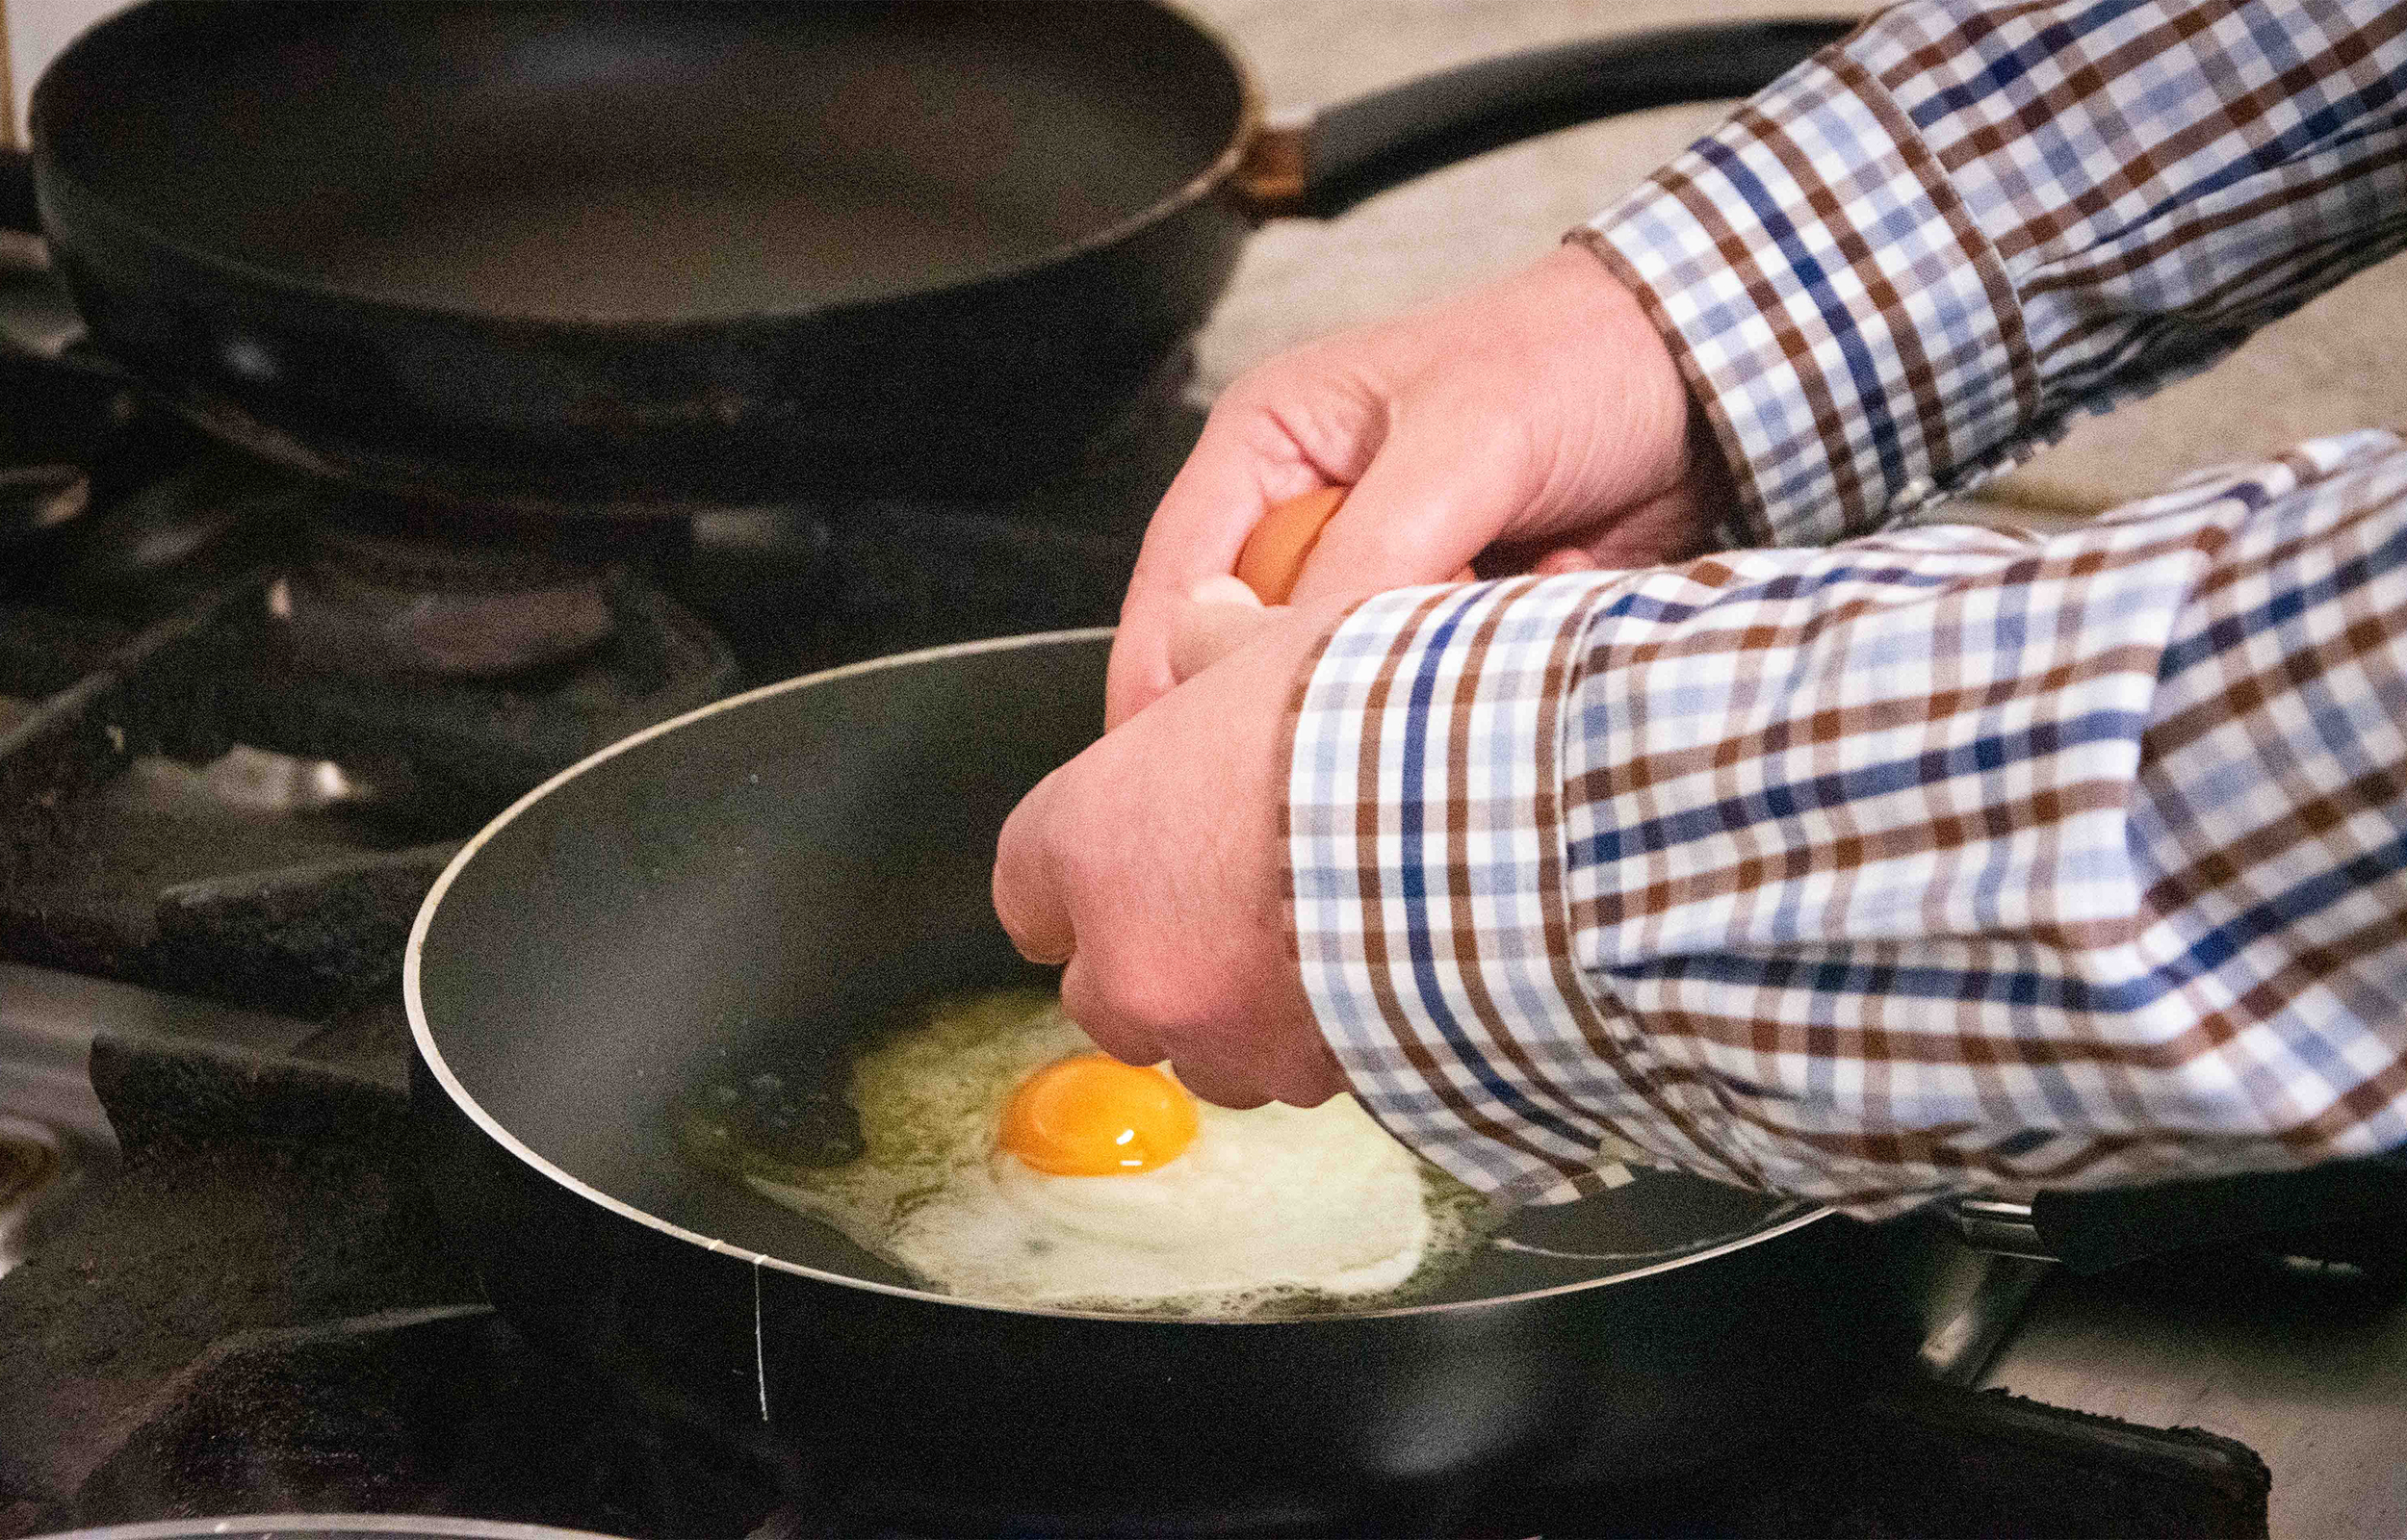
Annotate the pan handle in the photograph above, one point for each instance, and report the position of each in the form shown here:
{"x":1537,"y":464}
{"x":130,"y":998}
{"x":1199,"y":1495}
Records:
{"x":2089,"y":1232}
{"x":1348,"y":152}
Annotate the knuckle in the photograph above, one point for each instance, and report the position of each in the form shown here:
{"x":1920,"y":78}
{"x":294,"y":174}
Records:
{"x":1259,"y":385}
{"x":1108,"y":989}
{"x":1087,"y":1000}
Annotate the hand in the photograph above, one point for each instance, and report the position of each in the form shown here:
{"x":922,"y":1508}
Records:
{"x":1539,"y":417}
{"x":1152,"y":864}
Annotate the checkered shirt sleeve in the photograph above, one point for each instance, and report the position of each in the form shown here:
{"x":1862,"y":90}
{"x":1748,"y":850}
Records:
{"x":1912,"y":261}
{"x":1932,"y":861}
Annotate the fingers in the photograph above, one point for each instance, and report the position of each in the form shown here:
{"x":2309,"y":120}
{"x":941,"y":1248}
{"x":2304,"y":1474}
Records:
{"x":1153,"y":864}
{"x":1301,"y":421}
{"x":1542,"y":412}
{"x":1663,"y":529}
{"x":1429,"y":502}
{"x":1294,"y":1065}
{"x":1672,"y":526}
{"x":1219,"y":1087}
{"x":1319,"y":1080}
{"x":1243,"y":463}
{"x":1570,"y":558}
{"x":1029,"y":897}
{"x":1086,"y":1002}
{"x":1218,"y":616}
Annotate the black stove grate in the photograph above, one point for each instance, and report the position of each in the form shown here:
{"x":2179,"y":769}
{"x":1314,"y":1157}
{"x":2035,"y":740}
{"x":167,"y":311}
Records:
{"x":148,"y":634}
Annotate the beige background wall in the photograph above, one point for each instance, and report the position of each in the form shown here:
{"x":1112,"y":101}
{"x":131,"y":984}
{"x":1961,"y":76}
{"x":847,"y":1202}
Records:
{"x":37,"y":30}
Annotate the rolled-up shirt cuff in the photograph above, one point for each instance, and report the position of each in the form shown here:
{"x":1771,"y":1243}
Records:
{"x":1855,"y":339}
{"x":1425,"y":842}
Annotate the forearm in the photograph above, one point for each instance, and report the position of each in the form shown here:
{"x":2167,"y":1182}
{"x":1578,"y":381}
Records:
{"x":1929,"y":862}
{"x":1910,"y":263}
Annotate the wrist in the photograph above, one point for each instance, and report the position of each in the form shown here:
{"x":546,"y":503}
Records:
{"x":1668,"y":441}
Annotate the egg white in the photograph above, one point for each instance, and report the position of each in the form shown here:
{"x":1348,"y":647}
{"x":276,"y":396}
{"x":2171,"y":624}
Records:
{"x":1271,"y":1204}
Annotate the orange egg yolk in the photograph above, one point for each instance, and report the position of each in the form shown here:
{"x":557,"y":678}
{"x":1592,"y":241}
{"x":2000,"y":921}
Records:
{"x":1093,"y":1116}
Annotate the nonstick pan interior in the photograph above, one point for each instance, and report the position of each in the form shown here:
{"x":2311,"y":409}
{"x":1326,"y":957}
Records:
{"x":771,"y":876}
{"x":640,"y":162}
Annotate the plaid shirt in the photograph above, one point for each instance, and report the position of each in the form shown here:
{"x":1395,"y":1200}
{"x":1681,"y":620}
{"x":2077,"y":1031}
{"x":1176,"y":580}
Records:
{"x":1938,"y":860}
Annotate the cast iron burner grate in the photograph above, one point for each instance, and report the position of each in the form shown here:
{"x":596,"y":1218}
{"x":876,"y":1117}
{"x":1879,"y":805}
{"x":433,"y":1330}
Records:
{"x":113,"y":864}
{"x":190,"y":621}
{"x":198,"y":620}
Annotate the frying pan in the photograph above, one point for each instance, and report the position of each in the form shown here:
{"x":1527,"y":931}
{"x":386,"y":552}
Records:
{"x":636,"y":258}
{"x":754,"y":887}
{"x":750,"y":888}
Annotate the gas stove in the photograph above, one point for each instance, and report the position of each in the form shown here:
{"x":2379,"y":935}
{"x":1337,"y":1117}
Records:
{"x":246,"y":718}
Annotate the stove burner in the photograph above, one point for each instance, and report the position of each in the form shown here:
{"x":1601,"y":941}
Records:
{"x":389,"y":633}
{"x":285,"y":874}
{"x":477,"y":740}
{"x":395,"y":590}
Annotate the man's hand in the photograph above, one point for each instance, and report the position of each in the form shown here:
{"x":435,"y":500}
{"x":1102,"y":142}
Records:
{"x":1540,"y":415}
{"x":1541,"y":419}
{"x":1152,"y":864}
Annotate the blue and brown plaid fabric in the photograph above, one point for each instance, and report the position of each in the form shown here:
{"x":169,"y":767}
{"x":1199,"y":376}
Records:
{"x":1938,"y":860}
{"x":1910,"y":261}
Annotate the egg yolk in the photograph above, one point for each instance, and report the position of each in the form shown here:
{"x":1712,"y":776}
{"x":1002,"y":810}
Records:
{"x":1093,"y":1116}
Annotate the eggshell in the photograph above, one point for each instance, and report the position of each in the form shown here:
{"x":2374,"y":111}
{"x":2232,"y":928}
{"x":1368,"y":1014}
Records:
{"x":1273,"y":555}
{"x":1276,"y":551}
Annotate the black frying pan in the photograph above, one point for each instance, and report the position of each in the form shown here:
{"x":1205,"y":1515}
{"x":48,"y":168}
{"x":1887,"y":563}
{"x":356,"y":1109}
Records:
{"x":753,"y":887}
{"x":632,"y":257}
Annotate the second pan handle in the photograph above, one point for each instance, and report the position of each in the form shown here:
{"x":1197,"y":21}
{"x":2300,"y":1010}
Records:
{"x":1348,"y":152}
{"x":2091,"y":1231}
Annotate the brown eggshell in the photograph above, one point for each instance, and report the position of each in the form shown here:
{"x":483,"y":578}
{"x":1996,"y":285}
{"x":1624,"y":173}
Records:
{"x":1276,"y":551}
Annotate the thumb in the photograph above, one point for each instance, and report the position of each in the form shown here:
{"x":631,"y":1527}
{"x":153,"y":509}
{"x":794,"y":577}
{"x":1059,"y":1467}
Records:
{"x":1218,"y":616}
{"x":1423,"y":508}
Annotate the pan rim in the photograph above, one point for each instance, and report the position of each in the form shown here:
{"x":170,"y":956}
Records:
{"x":1780,"y":1223}
{"x":308,"y":1524}
{"x":96,"y":206}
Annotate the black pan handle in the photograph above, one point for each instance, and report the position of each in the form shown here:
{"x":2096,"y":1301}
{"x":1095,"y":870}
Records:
{"x":1348,"y":152}
{"x":2089,"y":1232}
